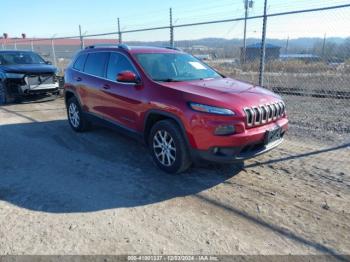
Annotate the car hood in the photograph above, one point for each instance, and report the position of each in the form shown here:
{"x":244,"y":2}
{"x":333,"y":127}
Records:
{"x":29,"y":69}
{"x":225,"y":92}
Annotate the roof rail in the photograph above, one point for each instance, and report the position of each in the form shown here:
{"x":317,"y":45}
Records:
{"x":122,"y":46}
{"x":173,"y":48}
{"x":99,"y":46}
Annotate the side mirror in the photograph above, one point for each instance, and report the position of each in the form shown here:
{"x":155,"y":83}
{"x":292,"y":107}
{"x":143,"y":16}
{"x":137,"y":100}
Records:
{"x":48,"y":62}
{"x":127,"y":77}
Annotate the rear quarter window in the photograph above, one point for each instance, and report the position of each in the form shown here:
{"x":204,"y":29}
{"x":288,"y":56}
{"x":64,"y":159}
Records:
{"x":80,"y":62}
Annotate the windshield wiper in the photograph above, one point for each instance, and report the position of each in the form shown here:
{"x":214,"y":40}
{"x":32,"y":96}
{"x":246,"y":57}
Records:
{"x":167,"y":80}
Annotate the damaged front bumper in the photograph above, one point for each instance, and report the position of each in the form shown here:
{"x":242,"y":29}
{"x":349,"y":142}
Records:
{"x":33,"y":84}
{"x":39,"y":89}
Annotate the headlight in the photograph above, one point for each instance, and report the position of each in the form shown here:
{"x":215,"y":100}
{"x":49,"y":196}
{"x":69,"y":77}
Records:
{"x":211,"y":109}
{"x":14,"y":75}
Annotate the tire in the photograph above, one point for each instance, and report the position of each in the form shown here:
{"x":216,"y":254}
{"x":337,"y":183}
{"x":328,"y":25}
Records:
{"x":3,"y":94}
{"x":76,"y":118}
{"x":171,"y":156}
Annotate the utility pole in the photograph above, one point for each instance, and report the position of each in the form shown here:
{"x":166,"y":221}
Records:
{"x":5,"y":36}
{"x":263,"y":47}
{"x":119,"y":32}
{"x":81,"y":38}
{"x":53,"y":51}
{"x":247,"y":4}
{"x":324,"y":45}
{"x":32,"y":44}
{"x":171,"y":28}
{"x":287,"y":46}
{"x":15,"y":44}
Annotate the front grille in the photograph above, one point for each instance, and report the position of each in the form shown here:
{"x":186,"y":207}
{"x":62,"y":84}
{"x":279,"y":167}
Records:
{"x":40,"y":79}
{"x":264,"y":114}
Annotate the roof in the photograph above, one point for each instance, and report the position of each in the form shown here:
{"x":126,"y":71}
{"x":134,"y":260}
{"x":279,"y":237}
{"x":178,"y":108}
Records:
{"x":59,"y":41}
{"x":152,"y":49}
{"x":299,"y":56}
{"x":136,"y":49}
{"x":20,"y":51}
{"x":258,"y":46}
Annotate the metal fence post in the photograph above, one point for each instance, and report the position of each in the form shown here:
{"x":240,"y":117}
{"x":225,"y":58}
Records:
{"x":245,"y":32}
{"x":81,"y":38}
{"x":171,"y":28}
{"x":263,"y":47}
{"x":324,"y":46}
{"x":287,"y":46}
{"x":119,"y":32}
{"x":53,"y":51}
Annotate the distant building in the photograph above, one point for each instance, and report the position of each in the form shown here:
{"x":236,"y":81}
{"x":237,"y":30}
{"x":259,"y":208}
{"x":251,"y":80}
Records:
{"x":200,"y":48}
{"x":253,"y":52}
{"x":301,"y":57}
{"x":203,"y":57}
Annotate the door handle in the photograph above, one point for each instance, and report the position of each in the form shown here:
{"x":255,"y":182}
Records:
{"x":106,"y":86}
{"x":78,"y":79}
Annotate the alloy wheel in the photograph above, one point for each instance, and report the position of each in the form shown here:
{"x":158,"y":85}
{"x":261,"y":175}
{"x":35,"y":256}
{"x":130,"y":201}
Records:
{"x":164,"y":148}
{"x":74,"y":117}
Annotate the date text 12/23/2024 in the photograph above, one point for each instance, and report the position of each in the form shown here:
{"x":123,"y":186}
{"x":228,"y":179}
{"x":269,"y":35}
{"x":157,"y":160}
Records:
{"x":172,"y":258}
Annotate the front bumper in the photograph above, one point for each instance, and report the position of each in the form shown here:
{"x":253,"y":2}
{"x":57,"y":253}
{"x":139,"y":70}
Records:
{"x":242,"y":146}
{"x":35,"y":89}
{"x":235,"y":154}
{"x":17,"y":88}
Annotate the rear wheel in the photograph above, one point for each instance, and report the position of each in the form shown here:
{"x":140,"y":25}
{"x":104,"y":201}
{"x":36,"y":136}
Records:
{"x":168,"y":147}
{"x":76,"y":118}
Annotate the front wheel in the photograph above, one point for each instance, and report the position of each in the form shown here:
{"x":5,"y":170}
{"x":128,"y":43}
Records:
{"x":3,"y":94}
{"x":168,"y":147}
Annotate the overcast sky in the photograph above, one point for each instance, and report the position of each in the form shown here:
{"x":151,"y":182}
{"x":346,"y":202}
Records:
{"x":43,"y":18}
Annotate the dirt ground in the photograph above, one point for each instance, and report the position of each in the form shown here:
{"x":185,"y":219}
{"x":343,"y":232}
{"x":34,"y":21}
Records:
{"x":99,"y":193}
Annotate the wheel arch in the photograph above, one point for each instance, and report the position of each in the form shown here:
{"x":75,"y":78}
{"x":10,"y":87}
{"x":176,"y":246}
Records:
{"x":68,"y":94}
{"x":3,"y":89}
{"x":153,"y":116}
{"x":2,"y":76}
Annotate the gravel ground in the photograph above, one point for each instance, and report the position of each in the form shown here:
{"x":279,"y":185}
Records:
{"x":99,"y":193}
{"x":321,"y":119}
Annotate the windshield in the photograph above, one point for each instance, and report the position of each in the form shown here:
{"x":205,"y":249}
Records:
{"x":20,"y":58}
{"x":175,"y":67}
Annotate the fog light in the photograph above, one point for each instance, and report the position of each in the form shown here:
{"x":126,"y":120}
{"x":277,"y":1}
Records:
{"x":225,"y":130}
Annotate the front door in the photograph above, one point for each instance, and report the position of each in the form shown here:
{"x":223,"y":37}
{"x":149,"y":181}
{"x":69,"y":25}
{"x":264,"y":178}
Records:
{"x":122,"y":101}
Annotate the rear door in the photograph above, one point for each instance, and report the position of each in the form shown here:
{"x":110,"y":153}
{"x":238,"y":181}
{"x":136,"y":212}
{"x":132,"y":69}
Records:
{"x":77,"y":75}
{"x":94,"y":80}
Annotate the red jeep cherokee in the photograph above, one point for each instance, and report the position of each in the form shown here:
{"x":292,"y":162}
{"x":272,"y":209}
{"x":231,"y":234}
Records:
{"x":180,"y":107}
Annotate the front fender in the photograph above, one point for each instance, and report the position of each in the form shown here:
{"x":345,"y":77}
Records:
{"x":2,"y":76}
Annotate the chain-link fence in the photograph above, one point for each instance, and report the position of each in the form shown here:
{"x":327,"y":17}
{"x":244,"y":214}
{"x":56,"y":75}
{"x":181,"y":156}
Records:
{"x":314,"y":78}
{"x":295,"y":54}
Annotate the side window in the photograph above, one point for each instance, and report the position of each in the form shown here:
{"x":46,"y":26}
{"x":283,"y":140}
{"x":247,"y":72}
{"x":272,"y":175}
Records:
{"x":118,"y":63}
{"x":79,"y":62}
{"x":95,"y":64}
